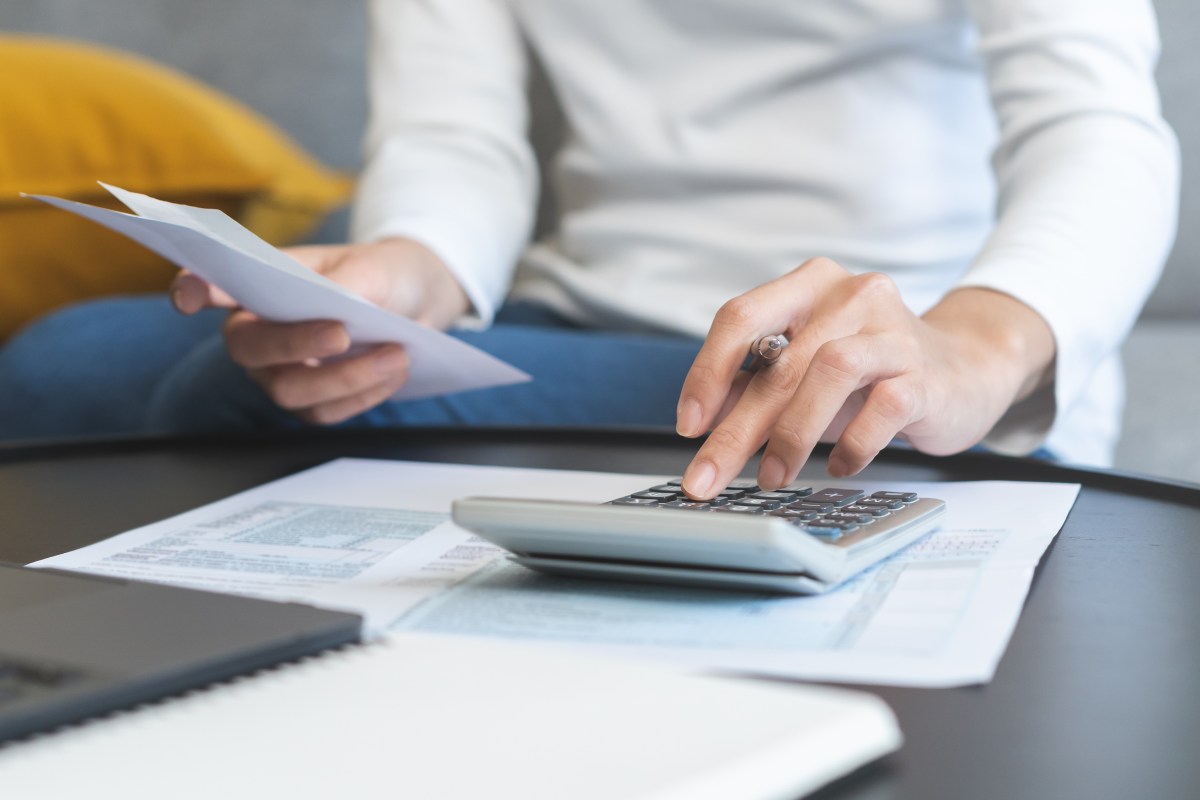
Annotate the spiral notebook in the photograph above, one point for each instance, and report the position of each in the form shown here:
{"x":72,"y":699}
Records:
{"x":427,"y":716}
{"x":75,"y":645}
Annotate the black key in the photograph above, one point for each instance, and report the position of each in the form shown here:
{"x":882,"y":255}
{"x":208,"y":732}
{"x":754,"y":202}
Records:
{"x":844,"y":525}
{"x":746,"y":484}
{"x":732,"y":494}
{"x":653,"y":495}
{"x":687,"y":505}
{"x":795,"y":514}
{"x":805,"y":505}
{"x":839,"y":497}
{"x":719,"y":501}
{"x":801,"y":489}
{"x":904,"y":497}
{"x":665,"y":487}
{"x":859,"y":508}
{"x":676,"y":482}
{"x":758,"y":502}
{"x":633,"y":501}
{"x":783,"y":497}
{"x":735,"y":508}
{"x":881,"y":502}
{"x":843,"y":516}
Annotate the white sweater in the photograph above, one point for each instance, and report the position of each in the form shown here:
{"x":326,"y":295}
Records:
{"x":715,"y":144}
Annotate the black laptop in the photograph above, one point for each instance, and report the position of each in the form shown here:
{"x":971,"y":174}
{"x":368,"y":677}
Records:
{"x":74,"y":646}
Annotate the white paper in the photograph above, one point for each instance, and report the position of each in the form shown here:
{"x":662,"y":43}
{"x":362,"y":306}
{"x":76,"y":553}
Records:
{"x":269,"y":283}
{"x":376,"y":537}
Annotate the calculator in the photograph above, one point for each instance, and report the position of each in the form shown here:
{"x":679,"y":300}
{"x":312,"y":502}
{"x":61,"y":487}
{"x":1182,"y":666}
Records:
{"x":802,"y":539}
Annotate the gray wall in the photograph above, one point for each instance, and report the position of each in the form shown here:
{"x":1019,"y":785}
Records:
{"x":1178,"y":295}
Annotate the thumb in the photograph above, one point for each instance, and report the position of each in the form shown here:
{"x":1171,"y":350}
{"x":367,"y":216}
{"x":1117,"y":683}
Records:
{"x":191,"y":294}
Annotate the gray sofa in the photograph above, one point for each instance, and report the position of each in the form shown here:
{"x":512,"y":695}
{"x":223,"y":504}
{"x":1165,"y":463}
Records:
{"x":301,"y":63}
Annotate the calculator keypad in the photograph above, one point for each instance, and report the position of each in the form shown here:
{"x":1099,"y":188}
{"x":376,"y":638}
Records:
{"x":829,"y":512}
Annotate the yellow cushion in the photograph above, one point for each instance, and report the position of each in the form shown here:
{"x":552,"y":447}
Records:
{"x":72,"y":114}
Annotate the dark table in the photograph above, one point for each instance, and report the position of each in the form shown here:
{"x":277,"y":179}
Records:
{"x":1097,"y":696}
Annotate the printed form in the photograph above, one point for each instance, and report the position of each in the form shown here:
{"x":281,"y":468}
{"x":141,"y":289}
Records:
{"x":375,"y":537}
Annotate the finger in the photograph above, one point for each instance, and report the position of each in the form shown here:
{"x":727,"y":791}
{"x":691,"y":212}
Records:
{"x":256,"y":343}
{"x":341,"y":410}
{"x":890,"y":407}
{"x":736,"y":390}
{"x":190,"y":293}
{"x":745,"y":426}
{"x":779,"y":306}
{"x":299,"y":386}
{"x":837,"y":370}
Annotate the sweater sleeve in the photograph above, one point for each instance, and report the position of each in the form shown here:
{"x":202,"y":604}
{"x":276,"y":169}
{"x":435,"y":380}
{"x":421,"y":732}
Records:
{"x":1087,"y":173}
{"x":447,"y":161}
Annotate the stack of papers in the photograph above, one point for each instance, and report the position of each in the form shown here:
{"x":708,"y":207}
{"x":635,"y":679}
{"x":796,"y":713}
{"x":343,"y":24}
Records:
{"x":375,"y":537}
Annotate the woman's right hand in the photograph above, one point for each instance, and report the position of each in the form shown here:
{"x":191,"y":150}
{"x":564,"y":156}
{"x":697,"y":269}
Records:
{"x":302,"y":366}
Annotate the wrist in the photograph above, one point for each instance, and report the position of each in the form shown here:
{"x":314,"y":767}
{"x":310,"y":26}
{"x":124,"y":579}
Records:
{"x":1001,"y":336}
{"x":438,"y":299}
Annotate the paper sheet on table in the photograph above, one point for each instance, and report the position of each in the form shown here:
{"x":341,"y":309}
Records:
{"x":376,"y":537}
{"x":271,"y":284}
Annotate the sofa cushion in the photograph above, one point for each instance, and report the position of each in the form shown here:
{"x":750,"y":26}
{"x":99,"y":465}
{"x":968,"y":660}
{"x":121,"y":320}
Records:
{"x":74,"y":114}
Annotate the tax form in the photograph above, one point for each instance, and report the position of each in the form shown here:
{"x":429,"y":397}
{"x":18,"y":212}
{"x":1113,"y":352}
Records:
{"x":274,"y":286}
{"x":375,"y":537}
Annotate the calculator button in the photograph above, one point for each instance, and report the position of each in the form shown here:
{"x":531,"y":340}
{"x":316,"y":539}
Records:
{"x":795,"y":514}
{"x":844,"y":516}
{"x":881,"y":502}
{"x":801,"y":489}
{"x":830,"y":532}
{"x":904,"y":497}
{"x":805,"y":505}
{"x":665,"y":487}
{"x":719,"y":501}
{"x":676,"y":482}
{"x":633,"y":501}
{"x":839,"y":497}
{"x":734,"y":508}
{"x":758,"y":502}
{"x":844,"y":525}
{"x":732,"y":494}
{"x":873,"y":510}
{"x":653,"y":495}
{"x":746,"y":484}
{"x":782,"y":497}
{"x":687,"y":505}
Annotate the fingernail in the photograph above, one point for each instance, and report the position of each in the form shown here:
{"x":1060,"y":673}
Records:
{"x":688,"y":418}
{"x":771,"y":473}
{"x":391,"y":361}
{"x":181,"y":298}
{"x":332,"y":339}
{"x":698,"y":479}
{"x":836,"y":466}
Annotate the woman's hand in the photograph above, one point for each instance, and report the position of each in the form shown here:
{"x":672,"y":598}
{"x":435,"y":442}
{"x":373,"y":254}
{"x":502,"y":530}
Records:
{"x":860,"y":370}
{"x":302,"y":366}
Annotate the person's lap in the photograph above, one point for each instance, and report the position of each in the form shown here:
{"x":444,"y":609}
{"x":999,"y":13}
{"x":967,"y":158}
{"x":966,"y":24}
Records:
{"x":132,"y":364}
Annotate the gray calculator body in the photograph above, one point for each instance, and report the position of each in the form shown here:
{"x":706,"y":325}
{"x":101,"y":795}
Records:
{"x":751,"y":551}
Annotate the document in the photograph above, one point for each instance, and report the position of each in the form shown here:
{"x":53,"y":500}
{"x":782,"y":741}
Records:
{"x":274,"y":286}
{"x":376,"y":537}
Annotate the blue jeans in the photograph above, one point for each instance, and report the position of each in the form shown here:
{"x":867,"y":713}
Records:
{"x":131,"y":365}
